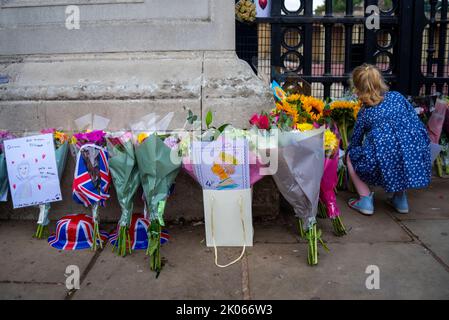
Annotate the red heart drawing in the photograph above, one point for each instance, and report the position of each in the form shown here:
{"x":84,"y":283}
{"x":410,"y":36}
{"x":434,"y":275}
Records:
{"x":39,"y":186}
{"x":43,"y":156}
{"x":263,"y":4}
{"x":14,"y":186}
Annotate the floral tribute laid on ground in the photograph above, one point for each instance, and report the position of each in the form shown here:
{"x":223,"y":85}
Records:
{"x":301,"y":142}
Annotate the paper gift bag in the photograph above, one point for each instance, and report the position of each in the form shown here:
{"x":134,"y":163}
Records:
{"x":228,"y":218}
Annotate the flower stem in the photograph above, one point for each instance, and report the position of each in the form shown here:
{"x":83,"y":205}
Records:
{"x":301,"y":229}
{"x":42,"y":232}
{"x":321,"y":210}
{"x":439,"y":166}
{"x":339,"y":227}
{"x":314,"y":236}
{"x":154,"y":246}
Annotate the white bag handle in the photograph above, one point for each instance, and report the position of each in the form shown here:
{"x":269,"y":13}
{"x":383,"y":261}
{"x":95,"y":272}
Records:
{"x":213,"y":235}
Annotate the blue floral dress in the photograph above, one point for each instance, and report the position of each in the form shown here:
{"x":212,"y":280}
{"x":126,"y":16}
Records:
{"x":390,"y":146}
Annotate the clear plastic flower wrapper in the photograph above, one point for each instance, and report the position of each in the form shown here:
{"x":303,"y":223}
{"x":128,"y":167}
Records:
{"x":126,"y":180}
{"x":158,"y":163}
{"x":301,"y":121}
{"x":298,"y":178}
{"x":4,"y":135}
{"x":61,"y":142}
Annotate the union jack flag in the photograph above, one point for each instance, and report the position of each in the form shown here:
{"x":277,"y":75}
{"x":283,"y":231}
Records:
{"x":138,"y":233}
{"x":74,"y":232}
{"x":83,"y":189}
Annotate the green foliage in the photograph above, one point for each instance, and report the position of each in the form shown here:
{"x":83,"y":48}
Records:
{"x":209,"y":118}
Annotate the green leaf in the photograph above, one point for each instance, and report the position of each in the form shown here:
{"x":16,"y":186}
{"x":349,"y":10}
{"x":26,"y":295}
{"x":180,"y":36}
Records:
{"x":209,"y":117}
{"x":221,"y":129}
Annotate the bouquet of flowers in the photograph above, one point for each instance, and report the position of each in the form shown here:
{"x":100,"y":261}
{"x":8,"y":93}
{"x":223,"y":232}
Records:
{"x":4,"y":135}
{"x":328,"y":202}
{"x":126,"y":179}
{"x":432,"y":111}
{"x":92,"y":176}
{"x":158,"y":163}
{"x":226,"y":131}
{"x":61,"y":142}
{"x":300,"y":120}
{"x":344,"y":113}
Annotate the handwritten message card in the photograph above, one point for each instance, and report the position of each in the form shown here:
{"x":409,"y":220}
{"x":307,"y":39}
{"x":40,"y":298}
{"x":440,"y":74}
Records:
{"x":222,"y":164}
{"x":32,"y":170}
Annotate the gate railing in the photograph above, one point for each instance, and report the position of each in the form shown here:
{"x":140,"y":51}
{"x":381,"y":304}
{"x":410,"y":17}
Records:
{"x":323,"y":49}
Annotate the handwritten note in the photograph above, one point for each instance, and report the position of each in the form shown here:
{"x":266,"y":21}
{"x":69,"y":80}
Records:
{"x":32,"y":170}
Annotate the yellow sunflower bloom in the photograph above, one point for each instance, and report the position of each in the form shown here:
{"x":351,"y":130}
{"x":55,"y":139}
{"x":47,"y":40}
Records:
{"x":314,"y":107}
{"x":289,"y":110}
{"x":294,"y":98}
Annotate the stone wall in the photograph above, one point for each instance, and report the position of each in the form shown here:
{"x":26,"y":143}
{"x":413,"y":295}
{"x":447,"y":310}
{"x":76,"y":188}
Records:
{"x":129,"y":58}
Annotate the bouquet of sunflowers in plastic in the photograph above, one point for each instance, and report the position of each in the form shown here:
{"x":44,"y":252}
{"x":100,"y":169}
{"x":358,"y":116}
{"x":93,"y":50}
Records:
{"x":344,"y":113}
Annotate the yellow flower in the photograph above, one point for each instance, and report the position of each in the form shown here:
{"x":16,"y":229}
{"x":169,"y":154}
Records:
{"x":295,"y":98}
{"x":289,"y":110}
{"x":73,"y":140}
{"x":314,"y":107}
{"x":304,"y":126}
{"x":141,"y":137}
{"x":61,"y":137}
{"x":330,"y":142}
{"x":357,"y":107}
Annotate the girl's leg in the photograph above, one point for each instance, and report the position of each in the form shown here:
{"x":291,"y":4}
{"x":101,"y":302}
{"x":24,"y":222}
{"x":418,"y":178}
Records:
{"x":361,"y":187}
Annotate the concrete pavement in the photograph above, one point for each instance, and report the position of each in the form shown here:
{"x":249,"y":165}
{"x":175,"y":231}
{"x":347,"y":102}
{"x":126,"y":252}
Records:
{"x":411,"y":252}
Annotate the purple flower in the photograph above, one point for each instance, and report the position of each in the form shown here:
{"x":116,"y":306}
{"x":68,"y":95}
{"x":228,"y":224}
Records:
{"x":94,"y":137}
{"x":171,"y":142}
{"x":49,"y":130}
{"x":5,"y":135}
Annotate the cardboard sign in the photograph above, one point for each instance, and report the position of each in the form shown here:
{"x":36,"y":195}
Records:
{"x":222,"y":164}
{"x":32,"y":170}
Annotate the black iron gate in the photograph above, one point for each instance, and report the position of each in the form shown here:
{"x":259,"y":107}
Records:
{"x":411,"y":46}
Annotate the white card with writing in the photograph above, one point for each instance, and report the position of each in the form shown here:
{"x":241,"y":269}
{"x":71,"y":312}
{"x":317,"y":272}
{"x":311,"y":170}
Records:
{"x":32,"y":170}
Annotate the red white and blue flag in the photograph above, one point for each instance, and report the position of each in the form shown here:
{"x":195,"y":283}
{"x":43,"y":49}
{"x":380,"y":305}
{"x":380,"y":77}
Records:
{"x":138,"y":233}
{"x":83,"y":189}
{"x":74,"y":232}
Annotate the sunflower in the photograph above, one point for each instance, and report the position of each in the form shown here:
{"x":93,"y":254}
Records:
{"x":295,"y":98}
{"x":314,"y":107}
{"x":290,"y":110}
{"x":357,"y":107}
{"x":343,"y":104}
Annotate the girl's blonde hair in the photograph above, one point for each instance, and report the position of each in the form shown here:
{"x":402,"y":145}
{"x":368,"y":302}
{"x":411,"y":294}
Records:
{"x":369,"y":84}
